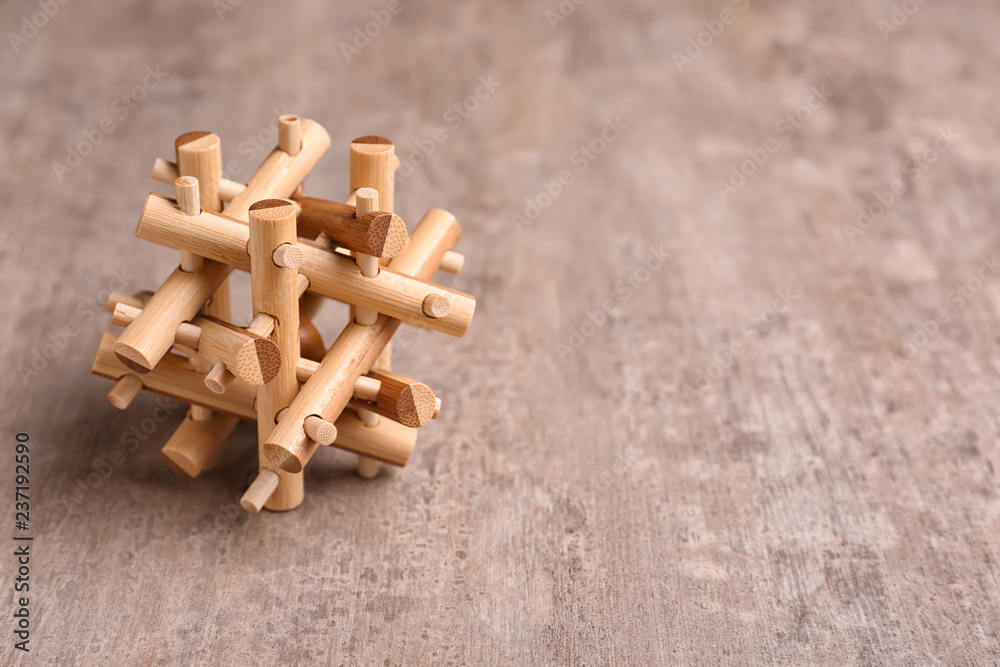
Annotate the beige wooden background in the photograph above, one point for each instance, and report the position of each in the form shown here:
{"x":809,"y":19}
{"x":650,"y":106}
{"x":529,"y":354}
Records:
{"x":827,"y":494}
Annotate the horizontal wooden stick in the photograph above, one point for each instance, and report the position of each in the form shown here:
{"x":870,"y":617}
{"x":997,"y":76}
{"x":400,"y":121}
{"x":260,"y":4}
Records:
{"x":380,"y":234}
{"x":250,"y":357}
{"x":125,"y":390}
{"x":176,"y":378}
{"x":452,"y":262}
{"x":397,"y":294}
{"x":401,"y":399}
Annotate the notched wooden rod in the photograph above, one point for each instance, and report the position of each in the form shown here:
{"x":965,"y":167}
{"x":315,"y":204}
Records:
{"x":245,"y":354}
{"x":401,"y":399}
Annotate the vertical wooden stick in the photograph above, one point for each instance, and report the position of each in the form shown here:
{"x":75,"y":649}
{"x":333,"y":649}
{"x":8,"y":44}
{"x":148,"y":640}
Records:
{"x":275,"y":293}
{"x":373,"y":164}
{"x":367,"y":201}
{"x":290,"y":135}
{"x":199,"y":154}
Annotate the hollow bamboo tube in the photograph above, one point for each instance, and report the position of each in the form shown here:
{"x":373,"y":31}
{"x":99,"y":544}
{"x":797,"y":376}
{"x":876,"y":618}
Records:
{"x":329,"y":389}
{"x":261,"y":491}
{"x":125,"y":390}
{"x":394,"y":293}
{"x":289,"y":134}
{"x":194,"y":444}
{"x":275,"y":293}
{"x":149,"y":337}
{"x":199,"y":156}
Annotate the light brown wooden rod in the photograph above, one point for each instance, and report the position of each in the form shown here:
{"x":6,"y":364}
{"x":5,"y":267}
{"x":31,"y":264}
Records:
{"x":401,"y":399}
{"x":379,"y":233}
{"x":125,"y":390}
{"x":399,"y":294}
{"x":195,"y":442}
{"x":250,"y":357}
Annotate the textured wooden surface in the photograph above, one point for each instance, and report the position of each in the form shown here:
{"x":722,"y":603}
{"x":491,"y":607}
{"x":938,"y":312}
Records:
{"x":828,"y":497}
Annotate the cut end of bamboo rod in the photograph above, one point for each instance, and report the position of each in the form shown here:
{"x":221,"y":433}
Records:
{"x":371,"y":144}
{"x":320,"y":430}
{"x":290,"y":134}
{"x":126,"y":388}
{"x":188,"y":195}
{"x":204,"y":139}
{"x":288,"y":256}
{"x":132,"y":358}
{"x":260,"y":490}
{"x":258,"y":361}
{"x":219,"y":378}
{"x":436,"y":305}
{"x":415,"y":405}
{"x":268,"y":210}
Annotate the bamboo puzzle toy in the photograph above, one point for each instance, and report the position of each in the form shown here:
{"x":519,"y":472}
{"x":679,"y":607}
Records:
{"x":276,"y":371}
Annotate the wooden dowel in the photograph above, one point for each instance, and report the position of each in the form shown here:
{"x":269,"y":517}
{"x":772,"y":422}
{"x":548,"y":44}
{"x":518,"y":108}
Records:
{"x":137,"y":300}
{"x":167,"y":172}
{"x":311,"y":345}
{"x":452,"y":262}
{"x":367,"y":202}
{"x":369,"y":468}
{"x":260,"y":491}
{"x":373,"y":165}
{"x":320,"y":430}
{"x":435,"y":305}
{"x":126,"y":388}
{"x":275,"y":292}
{"x":219,"y":379}
{"x":188,"y":195}
{"x":200,"y":413}
{"x":330,"y":388}
{"x":394,"y":293}
{"x":289,"y":134}
{"x":437,"y":407}
{"x":199,"y":156}
{"x":401,"y":399}
{"x":194,"y":444}
{"x":262,"y":324}
{"x":367,"y":388}
{"x":288,"y":256}
{"x":389,"y":442}
{"x":374,"y":232}
{"x":249,"y":356}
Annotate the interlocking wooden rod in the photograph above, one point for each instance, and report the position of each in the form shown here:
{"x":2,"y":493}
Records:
{"x":373,"y":164}
{"x":290,"y":134}
{"x":275,"y":292}
{"x":250,"y":357}
{"x":401,"y":399}
{"x":394,"y":293}
{"x":260,"y":491}
{"x":125,"y":390}
{"x":199,"y":156}
{"x":367,"y":202}
{"x":148,"y":338}
{"x":193,"y":446}
{"x":188,"y":201}
{"x":178,"y":379}
{"x":380,"y":234}
{"x":329,"y":389}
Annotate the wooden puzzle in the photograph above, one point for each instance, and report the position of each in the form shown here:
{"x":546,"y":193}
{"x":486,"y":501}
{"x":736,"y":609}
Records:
{"x":276,"y":371}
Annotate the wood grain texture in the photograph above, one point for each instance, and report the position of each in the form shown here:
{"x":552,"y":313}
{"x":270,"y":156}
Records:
{"x":829,"y":497}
